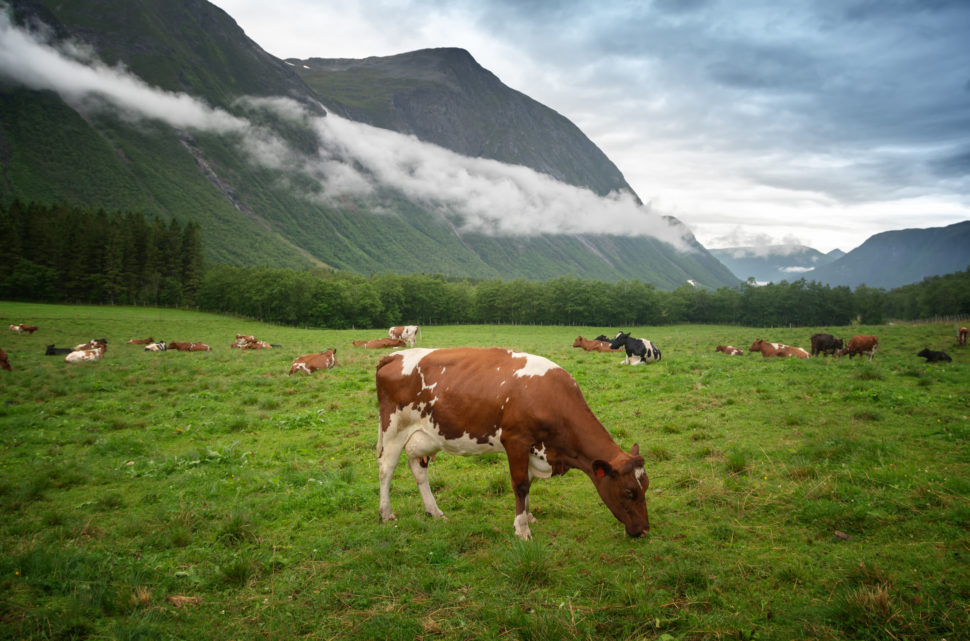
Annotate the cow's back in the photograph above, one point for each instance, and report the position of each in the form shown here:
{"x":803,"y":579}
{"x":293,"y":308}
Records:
{"x":476,"y":391}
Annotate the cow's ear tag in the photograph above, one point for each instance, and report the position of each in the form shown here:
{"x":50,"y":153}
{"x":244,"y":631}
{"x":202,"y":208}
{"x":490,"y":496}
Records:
{"x":600,"y":472}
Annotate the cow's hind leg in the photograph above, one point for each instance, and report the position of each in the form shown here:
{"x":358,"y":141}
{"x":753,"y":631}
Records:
{"x":388,"y":453}
{"x":419,"y":449}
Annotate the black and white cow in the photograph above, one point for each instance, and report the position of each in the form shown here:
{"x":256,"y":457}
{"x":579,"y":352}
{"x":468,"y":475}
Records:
{"x":638,"y":350}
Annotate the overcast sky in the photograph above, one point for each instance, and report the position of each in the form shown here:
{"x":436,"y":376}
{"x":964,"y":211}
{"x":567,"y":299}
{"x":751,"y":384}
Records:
{"x":753,"y":122}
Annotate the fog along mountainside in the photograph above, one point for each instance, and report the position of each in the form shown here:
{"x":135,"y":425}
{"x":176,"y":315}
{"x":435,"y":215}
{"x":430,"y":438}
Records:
{"x":424,"y":163}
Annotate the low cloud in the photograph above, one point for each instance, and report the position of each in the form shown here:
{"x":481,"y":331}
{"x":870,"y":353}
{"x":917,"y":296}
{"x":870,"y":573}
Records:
{"x":355,"y":160}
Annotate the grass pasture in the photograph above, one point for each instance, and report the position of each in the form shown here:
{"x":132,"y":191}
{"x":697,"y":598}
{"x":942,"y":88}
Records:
{"x":211,"y":496}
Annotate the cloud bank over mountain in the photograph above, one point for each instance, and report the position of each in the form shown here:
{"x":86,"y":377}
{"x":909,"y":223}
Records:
{"x":355,"y":160}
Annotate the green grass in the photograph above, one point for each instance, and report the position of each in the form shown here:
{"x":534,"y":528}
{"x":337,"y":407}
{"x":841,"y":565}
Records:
{"x":210,"y":495}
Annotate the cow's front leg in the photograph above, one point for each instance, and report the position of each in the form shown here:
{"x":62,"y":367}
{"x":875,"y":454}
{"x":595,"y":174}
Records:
{"x":521,"y":482}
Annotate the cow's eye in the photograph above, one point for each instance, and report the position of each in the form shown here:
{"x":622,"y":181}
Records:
{"x":630,"y":494}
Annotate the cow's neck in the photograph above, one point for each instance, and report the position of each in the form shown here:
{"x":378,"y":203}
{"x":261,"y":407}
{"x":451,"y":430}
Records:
{"x":589,"y":443}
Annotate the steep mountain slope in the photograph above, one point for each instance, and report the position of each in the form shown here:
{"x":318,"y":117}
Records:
{"x":445,"y":97}
{"x":773,"y":263}
{"x":260,"y":180}
{"x":895,"y":258}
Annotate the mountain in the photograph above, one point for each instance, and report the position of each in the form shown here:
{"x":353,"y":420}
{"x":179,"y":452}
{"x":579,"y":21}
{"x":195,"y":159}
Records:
{"x":896,"y":258}
{"x":186,"y":117}
{"x":445,"y":97}
{"x":774,"y":263}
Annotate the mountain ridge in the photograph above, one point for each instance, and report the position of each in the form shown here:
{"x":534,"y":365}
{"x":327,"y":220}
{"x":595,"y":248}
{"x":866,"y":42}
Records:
{"x":283,"y":215}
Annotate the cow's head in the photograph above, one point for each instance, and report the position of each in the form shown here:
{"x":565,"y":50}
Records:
{"x":756,"y":346}
{"x":622,"y":484}
{"x":619,"y":340}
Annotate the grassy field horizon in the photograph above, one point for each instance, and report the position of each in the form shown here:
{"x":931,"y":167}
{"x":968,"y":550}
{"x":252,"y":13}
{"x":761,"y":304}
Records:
{"x":210,"y":495}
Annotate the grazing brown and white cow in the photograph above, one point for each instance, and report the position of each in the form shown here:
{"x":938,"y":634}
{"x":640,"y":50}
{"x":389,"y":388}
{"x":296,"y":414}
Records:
{"x":962,"y":336}
{"x":407,"y":333}
{"x":5,"y":361}
{"x":141,"y":341}
{"x":730,"y":350}
{"x":777,"y":349}
{"x":20,"y":328}
{"x":592,"y":345}
{"x":477,"y":400}
{"x":862,"y":344}
{"x":189,"y":347}
{"x":15,"y":327}
{"x":380,"y":343}
{"x":86,"y":355}
{"x":312,"y":362}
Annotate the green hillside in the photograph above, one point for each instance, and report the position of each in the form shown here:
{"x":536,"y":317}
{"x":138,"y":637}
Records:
{"x":91,"y":154}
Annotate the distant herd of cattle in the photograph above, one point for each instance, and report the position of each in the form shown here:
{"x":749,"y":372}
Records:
{"x":638,"y":350}
{"x":93,"y":350}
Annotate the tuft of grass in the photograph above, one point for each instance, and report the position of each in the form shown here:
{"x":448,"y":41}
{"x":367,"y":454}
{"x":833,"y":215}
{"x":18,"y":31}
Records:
{"x":527,"y":564}
{"x":737,"y":463}
{"x":236,"y":573}
{"x":237,"y":528}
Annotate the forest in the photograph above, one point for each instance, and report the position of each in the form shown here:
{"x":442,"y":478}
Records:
{"x":65,"y":254}
{"x":72,"y":255}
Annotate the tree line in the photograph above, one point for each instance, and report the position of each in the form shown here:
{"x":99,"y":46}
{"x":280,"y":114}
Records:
{"x":67,"y":254}
{"x":57,"y":253}
{"x":337,"y":300}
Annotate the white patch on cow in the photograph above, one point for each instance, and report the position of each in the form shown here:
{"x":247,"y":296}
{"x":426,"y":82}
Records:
{"x":640,"y":474}
{"x":405,"y":422}
{"x":534,"y":365}
{"x":411,"y":357}
{"x":538,"y":463}
{"x":425,"y":386}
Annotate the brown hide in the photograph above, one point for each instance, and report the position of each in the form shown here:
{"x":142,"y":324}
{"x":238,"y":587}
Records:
{"x":768,"y":349}
{"x":592,"y":346}
{"x":189,"y":347}
{"x":729,"y":350}
{"x":312,"y":362}
{"x":861,"y":344}
{"x":380,"y":343}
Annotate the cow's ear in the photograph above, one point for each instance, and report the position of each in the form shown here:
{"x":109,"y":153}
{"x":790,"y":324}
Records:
{"x":635,"y":450}
{"x":602,"y":468}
